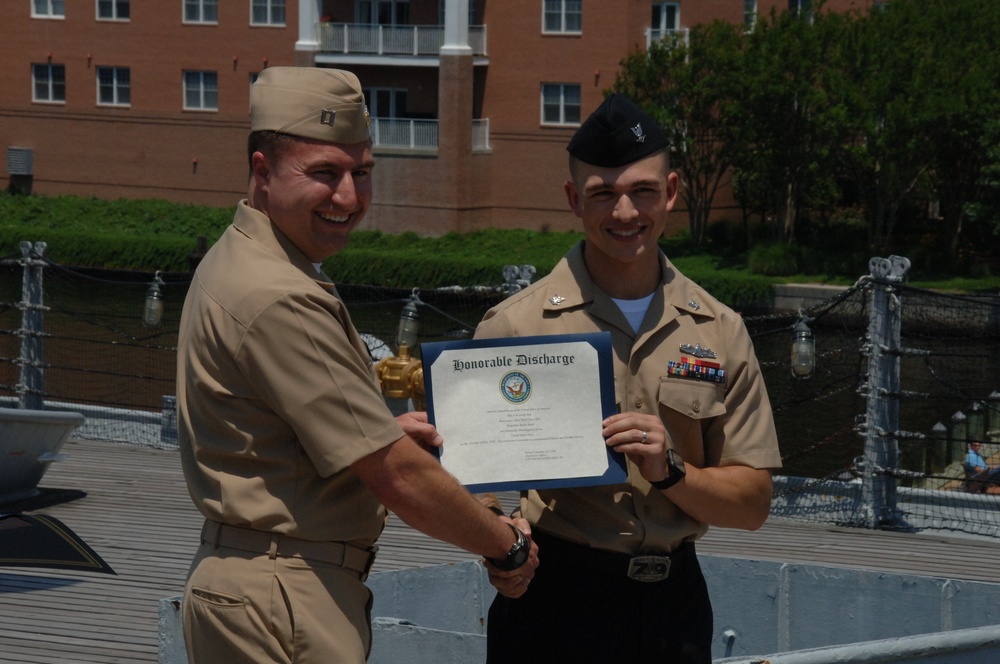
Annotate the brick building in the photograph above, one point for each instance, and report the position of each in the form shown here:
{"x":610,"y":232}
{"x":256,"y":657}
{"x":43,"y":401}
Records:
{"x":473,"y":101}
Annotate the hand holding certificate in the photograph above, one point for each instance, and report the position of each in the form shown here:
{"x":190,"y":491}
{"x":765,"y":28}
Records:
{"x":524,"y":412}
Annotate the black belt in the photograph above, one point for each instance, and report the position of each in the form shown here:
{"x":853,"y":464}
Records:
{"x":351,"y":557}
{"x":642,"y":567}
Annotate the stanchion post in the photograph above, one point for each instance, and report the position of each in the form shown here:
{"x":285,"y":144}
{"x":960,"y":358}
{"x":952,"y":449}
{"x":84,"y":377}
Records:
{"x":31,"y":388}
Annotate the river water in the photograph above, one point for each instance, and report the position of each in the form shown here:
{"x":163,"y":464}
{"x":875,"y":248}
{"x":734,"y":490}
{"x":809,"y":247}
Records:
{"x":98,"y":352}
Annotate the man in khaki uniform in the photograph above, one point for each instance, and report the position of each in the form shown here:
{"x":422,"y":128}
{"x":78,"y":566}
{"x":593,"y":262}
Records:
{"x":287,"y":445}
{"x":619,"y":580}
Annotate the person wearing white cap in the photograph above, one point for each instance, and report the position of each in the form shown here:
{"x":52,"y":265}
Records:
{"x":288,"y":447}
{"x":618,"y":580}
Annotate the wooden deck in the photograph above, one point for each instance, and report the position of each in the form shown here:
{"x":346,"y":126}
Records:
{"x":138,"y":517}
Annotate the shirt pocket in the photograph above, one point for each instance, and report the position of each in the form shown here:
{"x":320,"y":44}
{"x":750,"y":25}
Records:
{"x":686,"y":407}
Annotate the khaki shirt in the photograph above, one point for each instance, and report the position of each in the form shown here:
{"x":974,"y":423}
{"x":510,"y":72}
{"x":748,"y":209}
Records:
{"x":708,"y":423}
{"x":276,"y":393}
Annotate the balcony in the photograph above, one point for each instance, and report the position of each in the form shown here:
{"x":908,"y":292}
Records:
{"x":656,"y":34}
{"x":421,"y":135}
{"x":391,"y":40}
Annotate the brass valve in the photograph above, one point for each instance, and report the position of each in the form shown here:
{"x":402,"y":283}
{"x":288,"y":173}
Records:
{"x":402,"y":377}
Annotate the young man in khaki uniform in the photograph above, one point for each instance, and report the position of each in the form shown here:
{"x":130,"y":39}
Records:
{"x":287,"y":445}
{"x":619,"y":580}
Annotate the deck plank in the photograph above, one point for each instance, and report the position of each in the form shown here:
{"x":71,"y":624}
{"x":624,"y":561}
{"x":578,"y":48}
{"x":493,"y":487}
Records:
{"x":137,"y":515}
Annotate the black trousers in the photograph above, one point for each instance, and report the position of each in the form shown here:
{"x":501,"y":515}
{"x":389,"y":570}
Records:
{"x":581,"y":607}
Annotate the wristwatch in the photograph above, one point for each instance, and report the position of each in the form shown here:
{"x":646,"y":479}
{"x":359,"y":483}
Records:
{"x":675,"y":471}
{"x":518,"y":554}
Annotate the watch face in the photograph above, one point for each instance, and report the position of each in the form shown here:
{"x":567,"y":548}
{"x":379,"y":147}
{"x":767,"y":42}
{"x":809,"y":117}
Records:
{"x":675,"y":462}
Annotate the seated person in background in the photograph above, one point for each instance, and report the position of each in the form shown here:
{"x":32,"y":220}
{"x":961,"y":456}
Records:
{"x":983,"y":479}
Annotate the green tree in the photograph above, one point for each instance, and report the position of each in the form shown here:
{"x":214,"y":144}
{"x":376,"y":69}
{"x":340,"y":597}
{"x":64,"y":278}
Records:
{"x":963,"y":106}
{"x":790,"y":128}
{"x":693,"y":88}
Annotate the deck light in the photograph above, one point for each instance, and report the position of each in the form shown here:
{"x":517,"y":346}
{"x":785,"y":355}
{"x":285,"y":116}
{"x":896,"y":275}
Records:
{"x":153,"y":312}
{"x":409,"y":323}
{"x":803,"y":349}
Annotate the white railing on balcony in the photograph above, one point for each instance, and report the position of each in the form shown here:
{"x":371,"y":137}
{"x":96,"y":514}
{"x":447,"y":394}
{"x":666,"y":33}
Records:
{"x":655,"y":35}
{"x":370,"y":39}
{"x":421,"y":134}
{"x":409,"y":134}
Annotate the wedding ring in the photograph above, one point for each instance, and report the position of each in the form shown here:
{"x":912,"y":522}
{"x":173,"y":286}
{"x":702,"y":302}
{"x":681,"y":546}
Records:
{"x":644,"y":436}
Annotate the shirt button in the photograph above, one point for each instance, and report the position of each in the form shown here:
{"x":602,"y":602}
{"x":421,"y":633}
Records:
{"x":696,"y":406}
{"x":638,"y":402}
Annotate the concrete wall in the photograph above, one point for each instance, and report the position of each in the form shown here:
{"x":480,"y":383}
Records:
{"x":438,"y":614}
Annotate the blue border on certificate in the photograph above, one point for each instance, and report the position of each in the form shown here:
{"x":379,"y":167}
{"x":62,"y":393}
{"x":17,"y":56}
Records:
{"x":616,"y":472}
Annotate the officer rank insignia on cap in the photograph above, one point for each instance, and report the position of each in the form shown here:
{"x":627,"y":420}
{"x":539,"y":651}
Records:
{"x":615,"y":134}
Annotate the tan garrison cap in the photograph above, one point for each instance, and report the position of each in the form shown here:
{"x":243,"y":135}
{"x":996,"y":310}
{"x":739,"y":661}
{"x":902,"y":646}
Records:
{"x":323,"y":104}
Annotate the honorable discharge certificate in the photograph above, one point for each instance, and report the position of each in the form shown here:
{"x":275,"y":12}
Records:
{"x":523,"y":412}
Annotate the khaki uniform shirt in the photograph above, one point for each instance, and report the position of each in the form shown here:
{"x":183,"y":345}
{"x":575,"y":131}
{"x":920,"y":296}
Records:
{"x":277,"y":394}
{"x":708,"y":423}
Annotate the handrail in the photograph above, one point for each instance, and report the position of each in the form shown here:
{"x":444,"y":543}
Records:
{"x":389,"y":40}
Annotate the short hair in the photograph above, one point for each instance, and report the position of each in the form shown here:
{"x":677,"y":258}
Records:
{"x":272,"y":144}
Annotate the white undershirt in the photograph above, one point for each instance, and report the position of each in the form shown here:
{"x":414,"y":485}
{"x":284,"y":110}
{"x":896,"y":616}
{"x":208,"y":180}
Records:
{"x":634,"y":310}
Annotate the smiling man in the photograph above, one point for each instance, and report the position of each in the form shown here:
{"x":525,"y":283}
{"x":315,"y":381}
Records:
{"x":288,"y":447}
{"x":618,"y":580}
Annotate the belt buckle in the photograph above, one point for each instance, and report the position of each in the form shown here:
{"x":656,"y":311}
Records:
{"x":649,"y":568}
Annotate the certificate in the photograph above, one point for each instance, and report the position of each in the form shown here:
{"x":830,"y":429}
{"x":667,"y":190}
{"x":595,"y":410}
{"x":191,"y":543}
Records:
{"x":525,"y":412}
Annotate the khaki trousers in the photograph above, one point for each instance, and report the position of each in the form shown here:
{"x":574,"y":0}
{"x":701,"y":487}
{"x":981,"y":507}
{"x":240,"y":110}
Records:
{"x":241,"y":606}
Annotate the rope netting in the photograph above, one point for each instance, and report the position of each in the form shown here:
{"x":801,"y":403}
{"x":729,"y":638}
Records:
{"x":102,"y":360}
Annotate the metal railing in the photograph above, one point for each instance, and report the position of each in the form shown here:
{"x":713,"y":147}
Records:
{"x":409,"y":134}
{"x":370,"y":39}
{"x":656,"y":34}
{"x":421,"y":134}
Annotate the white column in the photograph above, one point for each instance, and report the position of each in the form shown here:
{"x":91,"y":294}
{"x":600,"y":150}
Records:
{"x":456,"y":28}
{"x":308,"y":19}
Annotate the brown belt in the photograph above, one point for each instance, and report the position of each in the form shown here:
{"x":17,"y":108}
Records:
{"x":351,"y":557}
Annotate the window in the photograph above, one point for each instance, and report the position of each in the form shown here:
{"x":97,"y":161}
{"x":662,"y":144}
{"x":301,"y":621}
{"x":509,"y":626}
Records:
{"x":114,"y":86}
{"x":201,"y":91}
{"x":201,"y":11}
{"x":113,"y":10}
{"x":666,"y":19}
{"x":48,"y":8}
{"x":749,"y":13}
{"x":560,"y":103}
{"x":386,"y":102}
{"x":473,"y":13}
{"x":267,"y":12}
{"x":384,"y":12}
{"x":562,"y":16}
{"x":801,"y":8}
{"x":49,"y":83}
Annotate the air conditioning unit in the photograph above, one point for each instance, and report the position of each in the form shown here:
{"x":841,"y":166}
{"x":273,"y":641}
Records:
{"x":20,"y":161}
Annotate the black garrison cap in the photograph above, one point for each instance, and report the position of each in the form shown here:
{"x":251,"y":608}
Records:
{"x":617,"y":133}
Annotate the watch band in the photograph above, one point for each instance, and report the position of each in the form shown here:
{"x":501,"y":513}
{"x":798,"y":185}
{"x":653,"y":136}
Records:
{"x":668,"y":481}
{"x":675,"y":471}
{"x":518,"y":554}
